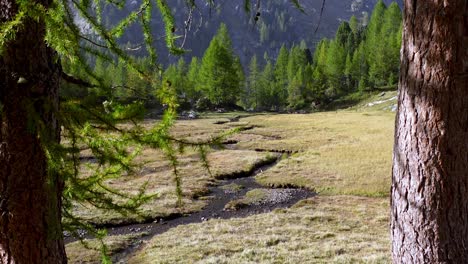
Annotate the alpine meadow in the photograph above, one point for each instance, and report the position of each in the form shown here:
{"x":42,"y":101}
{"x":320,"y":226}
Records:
{"x":212,"y":131}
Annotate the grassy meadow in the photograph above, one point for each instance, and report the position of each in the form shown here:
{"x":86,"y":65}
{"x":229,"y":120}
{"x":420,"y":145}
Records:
{"x":345,"y":156}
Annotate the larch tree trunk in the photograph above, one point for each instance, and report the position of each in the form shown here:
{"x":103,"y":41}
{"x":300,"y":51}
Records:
{"x":429,"y":204}
{"x":30,"y":195}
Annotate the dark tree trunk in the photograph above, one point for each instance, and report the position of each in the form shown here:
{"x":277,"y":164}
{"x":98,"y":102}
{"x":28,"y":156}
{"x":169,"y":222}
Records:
{"x":430,"y":164}
{"x":30,"y":195}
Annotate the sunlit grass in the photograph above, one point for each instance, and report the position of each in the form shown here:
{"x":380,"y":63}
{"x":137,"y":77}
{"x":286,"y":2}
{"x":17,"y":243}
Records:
{"x":345,"y":156}
{"x":338,"y":229}
{"x":344,"y":152}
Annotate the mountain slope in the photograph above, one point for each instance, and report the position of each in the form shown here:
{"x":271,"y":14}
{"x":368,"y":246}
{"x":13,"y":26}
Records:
{"x":279,"y":22}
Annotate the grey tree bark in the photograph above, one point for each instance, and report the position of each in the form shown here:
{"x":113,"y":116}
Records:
{"x":429,"y":203}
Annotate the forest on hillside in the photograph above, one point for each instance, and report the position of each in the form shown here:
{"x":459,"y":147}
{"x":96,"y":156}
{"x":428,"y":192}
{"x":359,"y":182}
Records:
{"x":278,"y":23}
{"x":359,"y":58}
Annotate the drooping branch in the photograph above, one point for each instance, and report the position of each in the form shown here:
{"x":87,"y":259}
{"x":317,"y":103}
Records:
{"x":320,"y":16}
{"x":75,"y":80}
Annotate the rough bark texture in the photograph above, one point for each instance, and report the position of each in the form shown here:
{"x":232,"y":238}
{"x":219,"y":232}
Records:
{"x":430,"y":164}
{"x":30,"y":196}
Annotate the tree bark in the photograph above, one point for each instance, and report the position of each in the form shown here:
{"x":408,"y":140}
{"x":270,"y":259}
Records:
{"x":430,"y":164}
{"x":30,"y":194}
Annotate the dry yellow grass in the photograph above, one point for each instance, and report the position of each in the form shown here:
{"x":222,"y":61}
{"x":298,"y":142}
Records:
{"x":344,"y":152}
{"x":345,"y":156}
{"x":338,"y":229}
{"x":158,"y":173}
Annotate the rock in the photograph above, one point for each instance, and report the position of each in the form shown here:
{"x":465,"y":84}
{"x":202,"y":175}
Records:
{"x":192,"y":114}
{"x":81,"y":233}
{"x":394,"y":108}
{"x":135,"y":229}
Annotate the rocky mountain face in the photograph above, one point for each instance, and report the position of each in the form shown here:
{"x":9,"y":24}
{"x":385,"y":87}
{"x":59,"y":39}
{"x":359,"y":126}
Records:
{"x":279,"y":22}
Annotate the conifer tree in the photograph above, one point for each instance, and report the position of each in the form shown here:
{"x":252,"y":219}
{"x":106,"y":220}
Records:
{"x":270,"y":94}
{"x":354,"y":24}
{"x":219,"y":72}
{"x":252,"y":93}
{"x":297,"y":58}
{"x":192,"y":89}
{"x":296,"y":90}
{"x":281,"y":72}
{"x":176,"y":75}
{"x":342,"y":33}
{"x":320,"y":80}
{"x":359,"y":68}
{"x":348,"y":72}
{"x":307,"y":91}
{"x":335,"y":66}
{"x":181,"y":87}
{"x":391,"y":42}
{"x":374,"y":52}
{"x":240,"y":74}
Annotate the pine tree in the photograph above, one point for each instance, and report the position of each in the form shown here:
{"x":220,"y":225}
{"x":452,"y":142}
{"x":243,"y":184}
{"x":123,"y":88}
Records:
{"x":281,"y":74}
{"x":270,"y":94}
{"x":297,"y":58}
{"x":359,"y":67}
{"x":219,"y":72}
{"x":391,"y":43}
{"x":240,"y":75}
{"x":308,"y":84}
{"x":354,"y":24}
{"x":374,"y":52}
{"x":335,"y":66}
{"x":181,"y":86}
{"x":252,"y":93}
{"x":341,"y":36}
{"x":348,"y":72}
{"x":192,"y":90}
{"x":296,"y":90}
{"x":319,"y":84}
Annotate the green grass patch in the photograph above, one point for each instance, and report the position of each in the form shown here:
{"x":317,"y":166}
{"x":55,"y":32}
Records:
{"x":233,"y":187}
{"x":251,"y":197}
